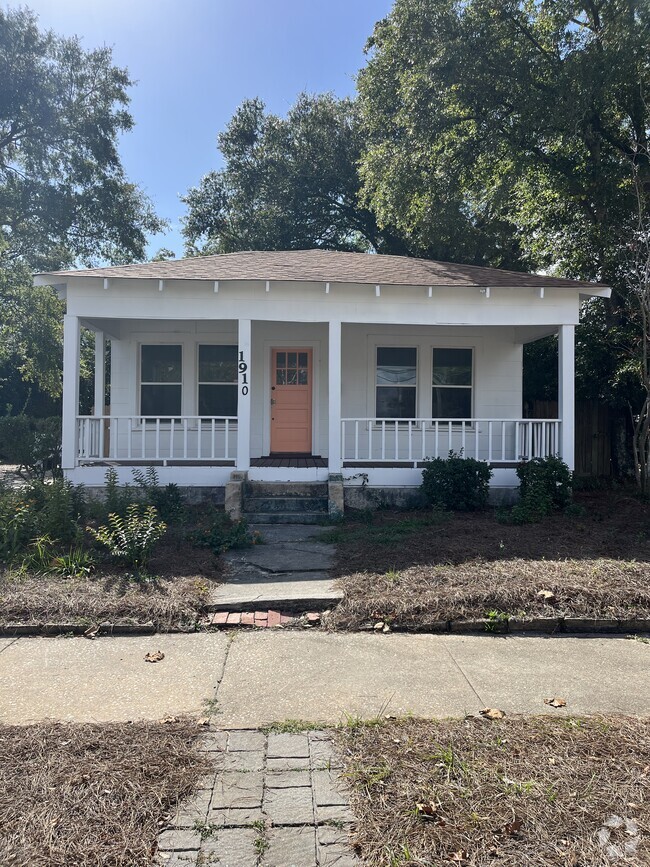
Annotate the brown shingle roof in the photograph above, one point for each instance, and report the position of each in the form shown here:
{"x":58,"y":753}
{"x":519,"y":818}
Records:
{"x":325,"y":266}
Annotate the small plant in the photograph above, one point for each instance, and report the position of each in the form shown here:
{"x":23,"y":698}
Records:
{"x":456,"y":483}
{"x":131,"y":538}
{"x":16,"y":525}
{"x":43,"y":558}
{"x":58,"y":509}
{"x":545,"y":486}
{"x":117,"y":497}
{"x":168,"y":500}
{"x":224,"y":533}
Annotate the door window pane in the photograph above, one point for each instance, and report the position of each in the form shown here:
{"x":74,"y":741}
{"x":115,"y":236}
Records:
{"x":292,"y":368}
{"x":396,"y":378}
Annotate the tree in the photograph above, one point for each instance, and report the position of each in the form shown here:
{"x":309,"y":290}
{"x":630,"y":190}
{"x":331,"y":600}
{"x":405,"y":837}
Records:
{"x":523,"y":113}
{"x":288,"y":183}
{"x":527,"y":115}
{"x":64,"y":196}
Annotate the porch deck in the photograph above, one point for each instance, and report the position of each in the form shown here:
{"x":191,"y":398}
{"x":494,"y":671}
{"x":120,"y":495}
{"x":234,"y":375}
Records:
{"x":298,"y":461}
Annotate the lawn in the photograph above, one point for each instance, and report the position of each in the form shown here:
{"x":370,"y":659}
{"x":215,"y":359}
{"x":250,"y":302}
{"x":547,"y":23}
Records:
{"x":416,"y":569}
{"x":92,"y":794}
{"x":565,"y":792}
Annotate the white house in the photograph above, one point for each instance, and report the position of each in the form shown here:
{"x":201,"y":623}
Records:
{"x":309,"y":366}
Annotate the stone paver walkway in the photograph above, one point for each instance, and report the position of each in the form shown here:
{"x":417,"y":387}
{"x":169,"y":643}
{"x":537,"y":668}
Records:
{"x":272,"y":800}
{"x":289,"y":572}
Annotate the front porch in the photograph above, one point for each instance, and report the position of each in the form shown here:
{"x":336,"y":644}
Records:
{"x":353,"y":373}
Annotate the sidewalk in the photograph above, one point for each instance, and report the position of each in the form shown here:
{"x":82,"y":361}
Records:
{"x":248,"y":679}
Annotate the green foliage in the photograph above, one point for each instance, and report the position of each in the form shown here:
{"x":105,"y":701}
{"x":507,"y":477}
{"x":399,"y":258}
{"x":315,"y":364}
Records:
{"x":288,"y":184}
{"x":168,"y":500}
{"x":45,"y":557}
{"x":117,"y":498}
{"x":58,"y":509}
{"x":224,"y":533}
{"x":33,"y":444}
{"x":63,"y":189}
{"x":16,"y":525}
{"x":456,"y":483}
{"x":131,"y":538}
{"x":545,"y":486}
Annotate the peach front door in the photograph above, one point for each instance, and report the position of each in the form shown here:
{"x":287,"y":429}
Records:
{"x":291,"y":387}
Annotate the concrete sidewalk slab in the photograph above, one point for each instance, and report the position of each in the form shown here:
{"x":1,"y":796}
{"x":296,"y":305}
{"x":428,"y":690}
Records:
{"x":108,"y":679}
{"x":608,"y":674}
{"x":299,"y":556}
{"x":323,"y":676}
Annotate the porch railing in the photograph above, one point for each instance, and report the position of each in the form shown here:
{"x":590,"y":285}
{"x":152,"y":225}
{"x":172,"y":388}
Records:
{"x":497,"y":441}
{"x":134,"y":438}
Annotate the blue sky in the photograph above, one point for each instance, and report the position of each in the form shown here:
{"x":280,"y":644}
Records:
{"x":195,"y":61}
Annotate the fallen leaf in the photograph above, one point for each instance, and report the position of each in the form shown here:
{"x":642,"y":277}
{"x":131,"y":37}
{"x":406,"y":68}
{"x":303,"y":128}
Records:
{"x":203,"y":721}
{"x":514,"y":827}
{"x":379,"y":625}
{"x":427,"y":811}
{"x":155,"y":656}
{"x":555,"y":702}
{"x":493,"y":852}
{"x":91,"y":632}
{"x":547,"y":596}
{"x":492,"y":713}
{"x":458,"y":857}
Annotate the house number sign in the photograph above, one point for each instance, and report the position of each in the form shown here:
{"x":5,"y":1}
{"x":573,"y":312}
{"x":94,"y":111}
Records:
{"x":243,"y":368}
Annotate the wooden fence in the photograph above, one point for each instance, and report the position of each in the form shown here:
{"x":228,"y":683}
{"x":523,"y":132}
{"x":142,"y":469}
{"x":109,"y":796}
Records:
{"x":593,"y":439}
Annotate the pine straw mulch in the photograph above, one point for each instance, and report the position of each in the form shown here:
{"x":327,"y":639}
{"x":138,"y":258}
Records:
{"x":508,"y":793}
{"x":415,"y":569}
{"x":92,"y":795}
{"x":181,"y":582}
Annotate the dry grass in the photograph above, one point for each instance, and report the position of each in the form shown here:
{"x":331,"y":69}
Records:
{"x":91,"y":794}
{"x":417,"y":569}
{"x":182,"y":580}
{"x":561,"y":778}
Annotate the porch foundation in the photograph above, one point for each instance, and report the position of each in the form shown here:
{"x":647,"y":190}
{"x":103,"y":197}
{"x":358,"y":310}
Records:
{"x":234,"y":494}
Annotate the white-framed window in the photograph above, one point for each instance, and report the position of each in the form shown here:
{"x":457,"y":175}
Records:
{"x":217,"y":380}
{"x":396,"y":382}
{"x":452,"y":386}
{"x":161,"y":379}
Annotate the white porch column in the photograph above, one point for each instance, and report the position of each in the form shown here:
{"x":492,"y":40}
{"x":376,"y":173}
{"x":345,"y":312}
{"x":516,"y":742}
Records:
{"x":71,"y":337}
{"x":100,"y":373}
{"x":334,"y":380}
{"x":567,"y":392}
{"x":244,"y":402}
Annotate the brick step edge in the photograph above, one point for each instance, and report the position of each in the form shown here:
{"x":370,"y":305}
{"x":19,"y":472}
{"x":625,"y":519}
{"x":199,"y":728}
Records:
{"x":261,"y":619}
{"x":517,"y":625}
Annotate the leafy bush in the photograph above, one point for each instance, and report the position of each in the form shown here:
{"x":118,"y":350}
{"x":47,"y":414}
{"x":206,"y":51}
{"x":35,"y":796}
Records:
{"x":545,"y":486}
{"x":33,"y":444}
{"x":117,"y":498}
{"x":224,"y":533}
{"x":58,"y":508}
{"x":131,"y":538}
{"x":168,"y":500}
{"x":16,"y":524}
{"x":456,"y":483}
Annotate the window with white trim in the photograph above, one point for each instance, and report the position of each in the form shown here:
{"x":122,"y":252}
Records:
{"x":217,"y":380}
{"x":452,"y":383}
{"x":396,"y":382}
{"x":161,"y":380}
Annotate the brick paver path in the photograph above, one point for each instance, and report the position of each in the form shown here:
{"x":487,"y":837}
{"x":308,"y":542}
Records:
{"x":272,"y":800}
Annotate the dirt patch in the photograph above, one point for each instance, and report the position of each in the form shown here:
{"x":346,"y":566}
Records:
{"x":92,"y":794}
{"x":414,"y":569}
{"x":512,"y":792}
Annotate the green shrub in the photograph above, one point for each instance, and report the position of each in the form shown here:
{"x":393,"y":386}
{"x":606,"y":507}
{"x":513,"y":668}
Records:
{"x":117,"y":498}
{"x":456,"y":483}
{"x":545,"y":486}
{"x":131,"y":538}
{"x":58,"y":508}
{"x":168,"y":500}
{"x":34,"y":444}
{"x":45,"y":557}
{"x":224,"y":533}
{"x":16,"y":524}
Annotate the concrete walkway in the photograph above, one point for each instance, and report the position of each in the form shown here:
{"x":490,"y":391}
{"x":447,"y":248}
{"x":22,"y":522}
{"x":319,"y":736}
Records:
{"x":289,"y":572}
{"x":248,"y":679}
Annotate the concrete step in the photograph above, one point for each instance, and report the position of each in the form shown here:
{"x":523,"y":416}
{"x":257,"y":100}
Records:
{"x":285,"y":504}
{"x":286,"y":489}
{"x":286,"y":517}
{"x":314,"y":594}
